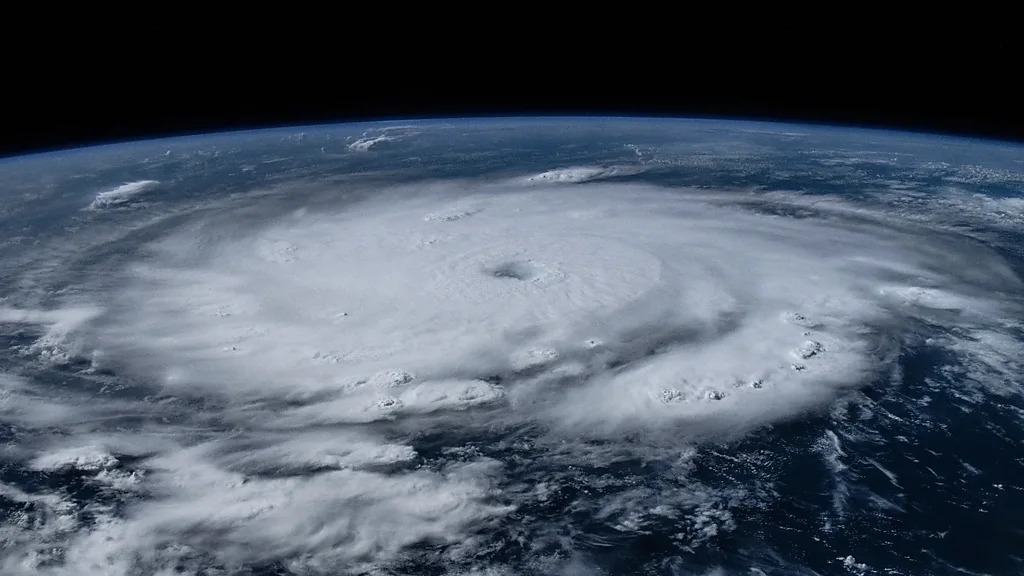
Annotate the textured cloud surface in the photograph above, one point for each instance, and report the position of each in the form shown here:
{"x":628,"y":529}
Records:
{"x":657,"y":305}
{"x":121,"y":194}
{"x":309,"y":379}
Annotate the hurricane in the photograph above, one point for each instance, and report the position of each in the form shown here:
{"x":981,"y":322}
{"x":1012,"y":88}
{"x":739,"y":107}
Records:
{"x":445,"y":348}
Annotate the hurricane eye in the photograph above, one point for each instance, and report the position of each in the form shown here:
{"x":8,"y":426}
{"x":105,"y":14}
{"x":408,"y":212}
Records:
{"x":512,"y":270}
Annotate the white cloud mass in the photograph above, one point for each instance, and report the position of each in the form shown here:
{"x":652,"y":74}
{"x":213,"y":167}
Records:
{"x":121,"y":194}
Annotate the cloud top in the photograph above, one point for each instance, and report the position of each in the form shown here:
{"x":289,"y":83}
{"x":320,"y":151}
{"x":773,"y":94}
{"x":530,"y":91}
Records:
{"x":121,"y":195}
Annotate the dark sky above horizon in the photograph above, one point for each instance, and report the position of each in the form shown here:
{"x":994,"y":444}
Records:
{"x":70,"y":111}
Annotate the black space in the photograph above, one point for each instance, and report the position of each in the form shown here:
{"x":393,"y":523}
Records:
{"x":94,"y":99}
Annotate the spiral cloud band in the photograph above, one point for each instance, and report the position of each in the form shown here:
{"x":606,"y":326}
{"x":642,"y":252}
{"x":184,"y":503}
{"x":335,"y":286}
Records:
{"x":309,"y":378}
{"x":613,"y":305}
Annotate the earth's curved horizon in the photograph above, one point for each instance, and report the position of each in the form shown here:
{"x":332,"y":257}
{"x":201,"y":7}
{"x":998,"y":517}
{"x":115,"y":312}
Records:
{"x":514,"y":346}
